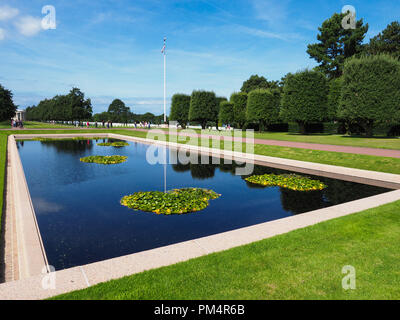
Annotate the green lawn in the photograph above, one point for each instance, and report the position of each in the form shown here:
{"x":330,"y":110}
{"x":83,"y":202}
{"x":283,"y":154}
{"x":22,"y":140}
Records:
{"x":302,"y":264}
{"x":3,"y":156}
{"x":380,"y":142}
{"x":32,"y":125}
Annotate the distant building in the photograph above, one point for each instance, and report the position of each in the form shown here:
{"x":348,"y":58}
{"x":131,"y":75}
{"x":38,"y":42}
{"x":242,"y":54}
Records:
{"x":19,"y":115}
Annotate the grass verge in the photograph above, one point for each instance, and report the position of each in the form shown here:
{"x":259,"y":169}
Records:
{"x":309,"y":267}
{"x":380,"y":142}
{"x":3,"y":157}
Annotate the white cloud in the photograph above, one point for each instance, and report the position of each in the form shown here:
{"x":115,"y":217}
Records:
{"x":272,"y":11}
{"x":7,"y":13}
{"x":2,"y":34}
{"x":29,"y":26}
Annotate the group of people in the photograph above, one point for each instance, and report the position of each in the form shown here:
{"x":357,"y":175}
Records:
{"x":17,"y":124}
{"x":144,"y":124}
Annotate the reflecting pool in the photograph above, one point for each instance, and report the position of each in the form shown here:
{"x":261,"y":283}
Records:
{"x":81,"y":220}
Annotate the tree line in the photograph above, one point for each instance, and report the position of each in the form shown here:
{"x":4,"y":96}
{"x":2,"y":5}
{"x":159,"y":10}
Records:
{"x":74,"y":107}
{"x":354,"y":84}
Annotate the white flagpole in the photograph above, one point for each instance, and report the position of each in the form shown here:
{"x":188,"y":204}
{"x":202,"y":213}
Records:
{"x":165,"y":82}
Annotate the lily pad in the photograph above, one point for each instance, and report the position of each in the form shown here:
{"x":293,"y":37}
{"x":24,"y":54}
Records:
{"x":104,"y":159}
{"x":118,"y":144}
{"x":176,"y":201}
{"x":288,"y":181}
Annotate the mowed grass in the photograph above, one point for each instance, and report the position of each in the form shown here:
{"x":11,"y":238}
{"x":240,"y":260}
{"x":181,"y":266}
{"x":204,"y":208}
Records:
{"x":302,"y":264}
{"x":3,"y":157}
{"x":33,"y":125}
{"x":380,"y":142}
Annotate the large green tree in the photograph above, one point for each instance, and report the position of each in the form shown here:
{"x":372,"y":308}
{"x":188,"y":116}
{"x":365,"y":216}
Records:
{"x":79,"y":107}
{"x":70,"y":107}
{"x":257,"y":82}
{"x":180,"y":106}
{"x":239,"y":100}
{"x":371,"y":91}
{"x":304,"y":98}
{"x":118,"y":111}
{"x":387,"y":41}
{"x":263,"y":107}
{"x":7,"y":106}
{"x":203,"y":106}
{"x":100,"y":117}
{"x":226,"y":114}
{"x":336,"y":44}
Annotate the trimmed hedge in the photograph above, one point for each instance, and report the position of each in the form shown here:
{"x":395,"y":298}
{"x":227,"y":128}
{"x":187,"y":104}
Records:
{"x":304,"y":98}
{"x":203,"y":106}
{"x":263,"y":107}
{"x":335,"y":89}
{"x":180,"y":106}
{"x":226,"y":114}
{"x":319,"y":127}
{"x":239,"y":100}
{"x":371,"y":91}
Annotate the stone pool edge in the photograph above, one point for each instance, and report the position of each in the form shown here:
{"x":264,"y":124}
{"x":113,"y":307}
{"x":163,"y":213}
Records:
{"x":30,"y":258}
{"x":31,"y":286}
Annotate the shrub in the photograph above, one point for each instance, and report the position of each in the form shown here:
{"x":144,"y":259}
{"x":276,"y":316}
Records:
{"x":263,"y":106}
{"x":226,"y":115}
{"x":180,"y":106}
{"x":203,"y":105}
{"x":304,"y":98}
{"x":239,"y":100}
{"x":371,"y":91}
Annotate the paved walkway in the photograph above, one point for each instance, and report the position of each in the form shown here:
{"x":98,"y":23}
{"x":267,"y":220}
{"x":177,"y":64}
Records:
{"x":291,"y":144}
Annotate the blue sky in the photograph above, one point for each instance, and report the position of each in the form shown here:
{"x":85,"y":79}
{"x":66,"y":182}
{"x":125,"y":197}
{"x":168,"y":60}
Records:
{"x":112,"y":48}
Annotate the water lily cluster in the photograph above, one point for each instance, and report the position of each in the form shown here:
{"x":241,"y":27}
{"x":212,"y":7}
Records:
{"x":118,"y":144}
{"x":104,"y":159}
{"x":288,"y":181}
{"x":176,"y":201}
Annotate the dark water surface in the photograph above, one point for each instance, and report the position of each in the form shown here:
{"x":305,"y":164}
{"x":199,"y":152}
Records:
{"x":81,"y":220}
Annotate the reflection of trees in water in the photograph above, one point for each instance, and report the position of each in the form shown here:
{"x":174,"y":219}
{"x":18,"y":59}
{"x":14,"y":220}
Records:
{"x":71,"y":146}
{"x":205,"y":171}
{"x":20,"y":143}
{"x":179,"y":167}
{"x":339,"y":191}
{"x":202,"y":171}
{"x":299,"y":202}
{"x":198,"y":171}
